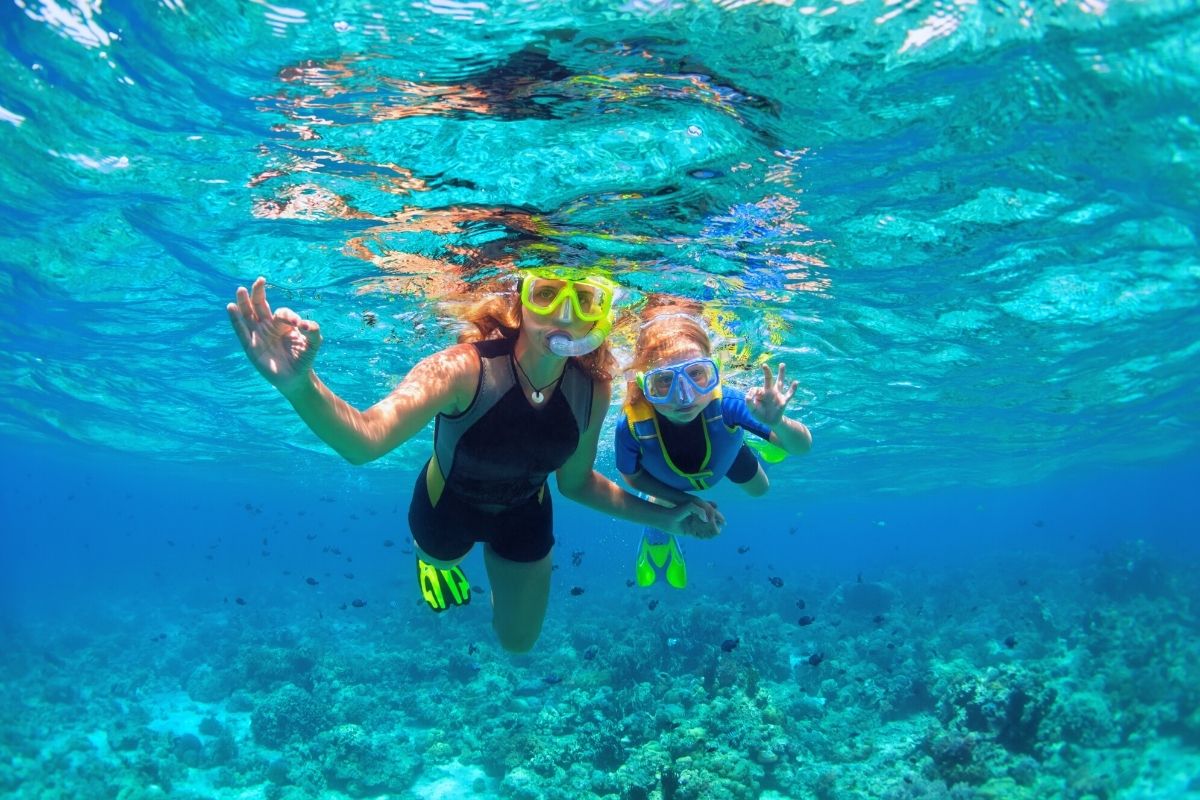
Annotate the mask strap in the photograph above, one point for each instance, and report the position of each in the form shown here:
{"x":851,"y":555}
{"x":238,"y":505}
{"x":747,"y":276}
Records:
{"x":677,"y":315}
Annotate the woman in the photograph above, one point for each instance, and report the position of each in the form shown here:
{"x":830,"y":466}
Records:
{"x":683,"y":431}
{"x":523,"y":395}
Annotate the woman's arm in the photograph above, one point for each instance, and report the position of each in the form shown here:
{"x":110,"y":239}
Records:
{"x":646,"y":483}
{"x":579,"y":481}
{"x":659,"y":492}
{"x":437,"y":384}
{"x":282,"y":346}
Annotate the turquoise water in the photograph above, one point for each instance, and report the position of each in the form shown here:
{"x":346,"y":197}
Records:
{"x":968,"y":229}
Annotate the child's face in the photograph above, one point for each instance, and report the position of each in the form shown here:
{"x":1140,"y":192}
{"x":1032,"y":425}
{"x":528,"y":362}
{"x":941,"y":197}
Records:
{"x":685,"y":403}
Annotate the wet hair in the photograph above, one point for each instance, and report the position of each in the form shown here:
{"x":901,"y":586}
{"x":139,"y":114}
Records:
{"x":497,"y":315}
{"x":665,"y":323}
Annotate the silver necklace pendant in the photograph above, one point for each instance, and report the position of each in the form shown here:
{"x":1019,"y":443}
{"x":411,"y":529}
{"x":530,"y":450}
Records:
{"x":537,"y":396}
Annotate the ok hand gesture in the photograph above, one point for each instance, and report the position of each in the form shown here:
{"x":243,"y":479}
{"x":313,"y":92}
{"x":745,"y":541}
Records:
{"x":280,"y":345}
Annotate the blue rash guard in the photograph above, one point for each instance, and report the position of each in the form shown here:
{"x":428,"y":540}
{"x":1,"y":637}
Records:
{"x":692,"y":456}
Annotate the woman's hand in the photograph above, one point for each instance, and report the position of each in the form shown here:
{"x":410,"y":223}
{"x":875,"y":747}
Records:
{"x":698,"y":518}
{"x":767,"y":402}
{"x":280,"y":345}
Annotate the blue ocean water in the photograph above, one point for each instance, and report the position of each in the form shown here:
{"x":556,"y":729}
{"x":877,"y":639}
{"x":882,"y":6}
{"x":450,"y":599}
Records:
{"x":969,"y":231}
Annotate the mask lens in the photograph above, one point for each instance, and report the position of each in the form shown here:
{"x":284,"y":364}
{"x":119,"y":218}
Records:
{"x":703,"y":375}
{"x":659,"y":383}
{"x":591,"y":300}
{"x":543,"y":294}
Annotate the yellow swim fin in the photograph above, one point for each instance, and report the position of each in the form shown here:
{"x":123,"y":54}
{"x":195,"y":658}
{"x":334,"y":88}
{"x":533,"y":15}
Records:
{"x":442,"y":588}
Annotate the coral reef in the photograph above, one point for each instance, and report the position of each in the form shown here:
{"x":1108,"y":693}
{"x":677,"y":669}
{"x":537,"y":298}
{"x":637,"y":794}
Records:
{"x":1033,"y":689}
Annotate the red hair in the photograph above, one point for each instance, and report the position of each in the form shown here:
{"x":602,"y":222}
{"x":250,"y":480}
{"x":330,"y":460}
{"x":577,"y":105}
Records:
{"x":497,"y":315}
{"x":666,"y":322}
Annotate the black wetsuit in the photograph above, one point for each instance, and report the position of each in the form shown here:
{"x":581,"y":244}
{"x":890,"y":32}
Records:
{"x":495,"y":457}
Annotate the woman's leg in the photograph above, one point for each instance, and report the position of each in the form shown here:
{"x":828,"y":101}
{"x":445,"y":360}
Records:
{"x":520,"y":595}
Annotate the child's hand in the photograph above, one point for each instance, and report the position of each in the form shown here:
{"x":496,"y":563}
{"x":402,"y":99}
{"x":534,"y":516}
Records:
{"x":766,"y":402}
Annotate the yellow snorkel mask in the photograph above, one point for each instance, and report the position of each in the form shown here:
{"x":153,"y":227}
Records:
{"x":573,"y":294}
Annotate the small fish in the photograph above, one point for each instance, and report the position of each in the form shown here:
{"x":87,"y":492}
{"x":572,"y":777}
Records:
{"x":240,"y":601}
{"x":576,"y":591}
{"x":1023,"y":582}
{"x":653,"y":604}
{"x":171,"y":542}
{"x":358,"y":603}
{"x":776,"y":581}
{"x":877,"y":619}
{"x":743,"y":549}
{"x":477,"y":589}
{"x":369,"y":319}
{"x":388,"y":543}
{"x":590,"y":653}
{"x":806,"y":620}
{"x":1010,"y":642}
{"x":629,"y":583}
{"x":310,"y":536}
{"x":311,"y":581}
{"x":815,"y":659}
{"x":800,"y":603}
{"x":264,"y":541}
{"x":729,"y":645}
{"x":1039,"y":524}
{"x":552,"y":679}
{"x":792,"y":530}
{"x":472,"y":649}
{"x":348,"y":576}
{"x":577,"y":558}
{"x":860,"y":577}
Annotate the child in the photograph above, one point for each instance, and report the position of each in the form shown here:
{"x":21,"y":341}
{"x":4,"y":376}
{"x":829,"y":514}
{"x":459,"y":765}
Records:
{"x":683,"y":431}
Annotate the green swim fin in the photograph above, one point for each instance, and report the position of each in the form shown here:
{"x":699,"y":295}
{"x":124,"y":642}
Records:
{"x":770,"y":453}
{"x":442,"y":588}
{"x":655,"y":558}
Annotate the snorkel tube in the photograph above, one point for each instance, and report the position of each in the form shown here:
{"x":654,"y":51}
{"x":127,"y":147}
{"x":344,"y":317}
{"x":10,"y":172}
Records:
{"x":561,"y":344}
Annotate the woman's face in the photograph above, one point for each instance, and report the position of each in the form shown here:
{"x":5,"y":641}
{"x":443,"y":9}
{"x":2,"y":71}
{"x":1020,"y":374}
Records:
{"x":538,"y":328}
{"x":685,"y":403}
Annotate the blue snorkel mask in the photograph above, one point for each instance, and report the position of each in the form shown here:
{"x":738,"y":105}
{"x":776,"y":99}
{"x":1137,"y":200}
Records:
{"x":679,"y":383}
